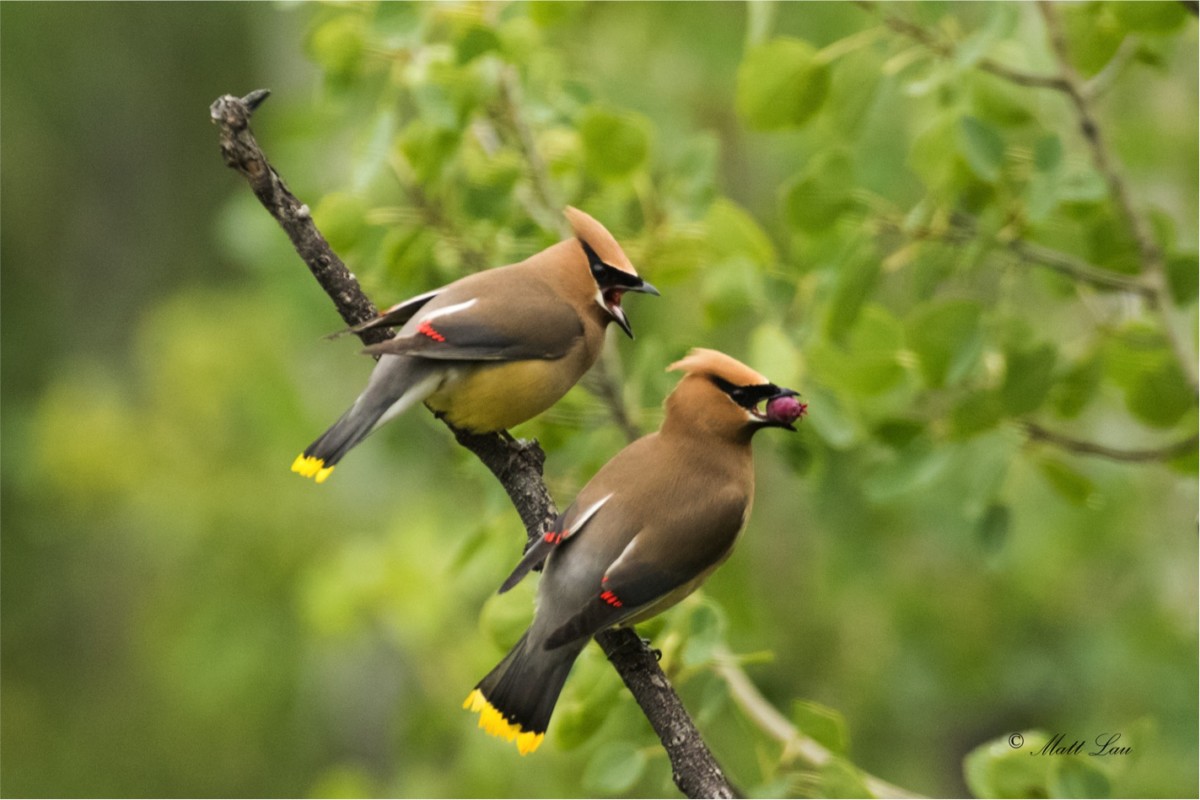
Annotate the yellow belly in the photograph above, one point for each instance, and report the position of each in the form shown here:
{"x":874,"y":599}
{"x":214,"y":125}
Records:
{"x":498,"y":396}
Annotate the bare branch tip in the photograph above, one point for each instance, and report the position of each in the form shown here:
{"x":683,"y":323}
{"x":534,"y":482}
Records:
{"x":256,"y":98}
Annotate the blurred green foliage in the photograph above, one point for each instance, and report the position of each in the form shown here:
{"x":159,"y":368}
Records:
{"x":836,"y":194}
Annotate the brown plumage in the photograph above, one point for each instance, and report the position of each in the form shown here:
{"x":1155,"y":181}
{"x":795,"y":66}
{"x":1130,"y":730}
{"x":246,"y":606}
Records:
{"x":648,"y":529}
{"x":495,"y":348}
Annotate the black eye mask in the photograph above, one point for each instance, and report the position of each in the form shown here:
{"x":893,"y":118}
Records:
{"x":608,"y":276}
{"x":748,"y":397}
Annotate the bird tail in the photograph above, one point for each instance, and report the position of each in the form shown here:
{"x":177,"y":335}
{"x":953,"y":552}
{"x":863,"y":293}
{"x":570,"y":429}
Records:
{"x":397,"y":384}
{"x":516,"y":698}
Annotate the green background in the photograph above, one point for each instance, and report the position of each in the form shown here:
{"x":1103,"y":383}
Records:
{"x":826,"y":191}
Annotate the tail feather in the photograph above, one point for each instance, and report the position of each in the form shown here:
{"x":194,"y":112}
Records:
{"x":516,"y":698}
{"x":320,"y":457}
{"x":395,"y":386}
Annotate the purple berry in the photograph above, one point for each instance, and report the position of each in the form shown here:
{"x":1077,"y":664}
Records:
{"x":785,"y":410}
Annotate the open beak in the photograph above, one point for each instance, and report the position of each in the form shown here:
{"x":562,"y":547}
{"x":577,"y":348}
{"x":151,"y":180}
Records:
{"x":612,"y":301}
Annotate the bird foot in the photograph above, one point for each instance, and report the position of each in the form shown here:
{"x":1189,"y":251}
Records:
{"x":654,"y":651}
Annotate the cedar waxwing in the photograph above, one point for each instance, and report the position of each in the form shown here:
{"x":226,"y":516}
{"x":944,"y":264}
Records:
{"x":493,"y":349}
{"x":642,"y":534}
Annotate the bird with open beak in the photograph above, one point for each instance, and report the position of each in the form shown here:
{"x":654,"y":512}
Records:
{"x":493,"y":349}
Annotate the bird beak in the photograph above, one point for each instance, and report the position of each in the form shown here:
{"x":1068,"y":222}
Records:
{"x":613,"y":303}
{"x":618,"y":314}
{"x":647,"y":288}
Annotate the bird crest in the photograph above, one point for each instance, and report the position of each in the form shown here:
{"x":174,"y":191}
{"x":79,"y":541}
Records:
{"x":702,"y":361}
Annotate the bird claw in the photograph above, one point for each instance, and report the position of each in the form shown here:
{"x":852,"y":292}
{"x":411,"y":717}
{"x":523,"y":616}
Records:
{"x":654,"y":651}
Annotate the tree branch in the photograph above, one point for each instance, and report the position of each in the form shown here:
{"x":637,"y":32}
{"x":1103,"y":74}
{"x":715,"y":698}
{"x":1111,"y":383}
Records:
{"x":241,"y":152}
{"x":1084,"y":448}
{"x":516,"y":464}
{"x":548,"y":203}
{"x":963,"y":230}
{"x":1153,"y":264}
{"x":768,"y":719}
{"x":1068,"y":82}
{"x":1077,"y":269}
{"x":946,"y":50}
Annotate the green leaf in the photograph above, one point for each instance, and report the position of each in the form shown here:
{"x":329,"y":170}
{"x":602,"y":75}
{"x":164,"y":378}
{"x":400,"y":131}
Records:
{"x":773,"y":353}
{"x":975,"y":412}
{"x":1138,"y":359}
{"x":831,"y":419}
{"x":1151,"y":17}
{"x":915,"y":468}
{"x":1093,"y":34}
{"x":613,"y":769}
{"x":873,"y":365}
{"x":1028,"y":378}
{"x":927,"y":157}
{"x":854,"y":90}
{"x":1186,"y":464}
{"x":855,"y":280}
{"x":552,"y":12}
{"x":1074,"y":487}
{"x":1161,"y":396}
{"x":1041,"y":197}
{"x":338,"y":44}
{"x":868,"y":362}
{"x":689,"y":176}
{"x":981,"y":147}
{"x":1000,"y":22}
{"x":586,"y":702}
{"x":999,"y":101}
{"x":897,"y":433}
{"x":1110,"y":244}
{"x":733,"y":233}
{"x":997,"y":769}
{"x":475,"y":41}
{"x":1183,"y":276}
{"x":615,"y":142}
{"x":822,"y":723}
{"x":1074,"y":777}
{"x":993,"y":527}
{"x":781,"y":84}
{"x":840,"y":778}
{"x":813,"y":200}
{"x":1078,"y":386}
{"x":490,"y":179}
{"x":427,"y":148}
{"x":946,"y":338}
{"x":706,"y":632}
{"x":1133,"y":350}
{"x":1082,"y":186}
{"x":1047,"y":153}
{"x":731,"y":288}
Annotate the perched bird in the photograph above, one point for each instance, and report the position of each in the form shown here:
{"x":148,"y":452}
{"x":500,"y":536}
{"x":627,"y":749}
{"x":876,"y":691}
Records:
{"x":493,"y":349}
{"x":644,"y":533}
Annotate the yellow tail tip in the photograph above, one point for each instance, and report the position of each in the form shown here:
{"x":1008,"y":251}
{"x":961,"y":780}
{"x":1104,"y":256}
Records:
{"x":311,"y":467}
{"x":495,"y":724}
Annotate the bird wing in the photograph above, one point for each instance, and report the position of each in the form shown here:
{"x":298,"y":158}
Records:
{"x":568,"y":523}
{"x":487,"y":327}
{"x":397,"y":315}
{"x":652,"y":566}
